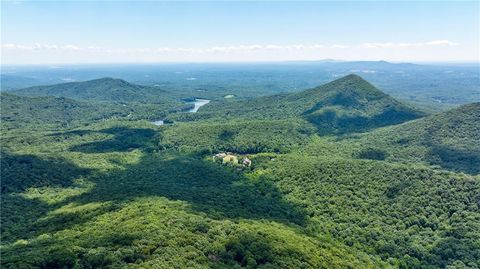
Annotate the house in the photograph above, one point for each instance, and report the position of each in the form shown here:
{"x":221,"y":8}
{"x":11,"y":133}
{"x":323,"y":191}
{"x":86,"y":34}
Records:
{"x":219,"y":155}
{"x":230,"y":159}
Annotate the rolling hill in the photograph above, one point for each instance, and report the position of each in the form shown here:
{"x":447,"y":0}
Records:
{"x":103,"y":89}
{"x":348,"y":104}
{"x":88,"y":101}
{"x":122,"y":193}
{"x":21,"y":111}
{"x":449,"y":139}
{"x":109,"y":195}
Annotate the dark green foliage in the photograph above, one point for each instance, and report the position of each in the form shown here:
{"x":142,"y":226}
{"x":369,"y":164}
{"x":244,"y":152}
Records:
{"x":449,"y":139}
{"x":240,"y":137}
{"x":39,"y":112}
{"x":348,"y":104}
{"x":372,"y":154}
{"x":248,"y":251}
{"x":124,"y":139}
{"x":80,"y":191}
{"x":20,"y":172}
{"x":425,"y":219}
{"x":86,"y":102}
{"x":103,"y":89}
{"x":52,"y":112}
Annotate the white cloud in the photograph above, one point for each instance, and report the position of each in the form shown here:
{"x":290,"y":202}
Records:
{"x":8,"y":46}
{"x":71,"y":47}
{"x":406,"y":45}
{"x":39,"y":46}
{"x":72,"y":53}
{"x":441,"y":42}
{"x":336,"y":46}
{"x":225,"y":49}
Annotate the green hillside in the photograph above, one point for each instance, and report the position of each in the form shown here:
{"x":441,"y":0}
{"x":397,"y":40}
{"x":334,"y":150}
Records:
{"x":38,"y":112}
{"x":449,"y":140}
{"x":411,"y":216}
{"x":103,"y":89}
{"x":102,"y":198}
{"x":241,"y":137}
{"x":113,"y":195}
{"x":71,"y":104}
{"x":344,"y":105}
{"x":94,"y":185}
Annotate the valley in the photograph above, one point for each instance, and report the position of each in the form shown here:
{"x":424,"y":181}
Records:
{"x":110,"y":174}
{"x":239,"y":134}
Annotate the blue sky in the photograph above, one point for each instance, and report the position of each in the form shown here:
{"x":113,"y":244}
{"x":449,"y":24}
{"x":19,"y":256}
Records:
{"x":75,"y":32}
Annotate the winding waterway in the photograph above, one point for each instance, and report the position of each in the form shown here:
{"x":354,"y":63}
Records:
{"x":158,"y":122}
{"x":196,"y":105}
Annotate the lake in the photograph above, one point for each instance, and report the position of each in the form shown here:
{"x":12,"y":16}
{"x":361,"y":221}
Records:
{"x":158,"y":122}
{"x":197,"y":104}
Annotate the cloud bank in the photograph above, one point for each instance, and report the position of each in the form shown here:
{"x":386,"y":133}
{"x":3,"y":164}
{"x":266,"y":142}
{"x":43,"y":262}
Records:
{"x":440,"y":49}
{"x":406,"y":45}
{"x":240,"y":48}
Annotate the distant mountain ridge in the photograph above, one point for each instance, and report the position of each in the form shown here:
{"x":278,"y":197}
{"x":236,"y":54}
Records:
{"x":102,"y":89}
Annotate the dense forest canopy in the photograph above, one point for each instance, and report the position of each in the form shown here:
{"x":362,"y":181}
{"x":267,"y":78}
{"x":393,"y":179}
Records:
{"x":339,"y":176}
{"x":76,"y":103}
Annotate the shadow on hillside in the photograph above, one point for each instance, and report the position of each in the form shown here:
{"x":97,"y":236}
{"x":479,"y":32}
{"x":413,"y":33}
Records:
{"x":454,"y":159}
{"x":208,"y":188}
{"x":331,"y":122}
{"x":251,"y":249}
{"x":21,"y":172}
{"x":123,"y":139}
{"x":457,"y":157}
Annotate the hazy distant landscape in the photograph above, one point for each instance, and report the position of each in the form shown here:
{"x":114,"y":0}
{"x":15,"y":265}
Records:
{"x":434,"y":86}
{"x":227,"y":142}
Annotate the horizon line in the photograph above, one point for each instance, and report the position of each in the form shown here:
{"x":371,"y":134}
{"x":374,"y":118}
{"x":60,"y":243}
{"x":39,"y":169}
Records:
{"x":469,"y":61}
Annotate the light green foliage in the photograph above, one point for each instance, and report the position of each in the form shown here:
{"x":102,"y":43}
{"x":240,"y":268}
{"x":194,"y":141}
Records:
{"x":54,"y":195}
{"x":120,"y":193}
{"x":240,"y":137}
{"x":401,"y":211}
{"x":230,"y":159}
{"x":103,"y":89}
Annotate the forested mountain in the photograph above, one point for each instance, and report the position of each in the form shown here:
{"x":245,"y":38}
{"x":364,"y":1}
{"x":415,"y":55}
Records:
{"x":103,"y":89}
{"x":20,"y":111}
{"x":88,"y":101}
{"x":91,"y":184}
{"x":344,"y":105}
{"x":449,"y":139}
